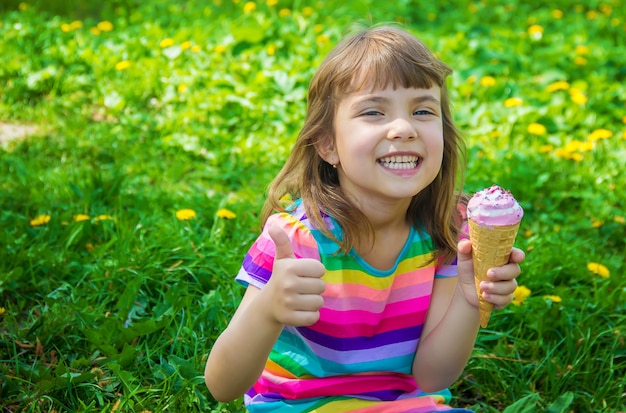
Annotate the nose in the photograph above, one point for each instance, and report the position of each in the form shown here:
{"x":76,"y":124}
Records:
{"x":401,"y":128}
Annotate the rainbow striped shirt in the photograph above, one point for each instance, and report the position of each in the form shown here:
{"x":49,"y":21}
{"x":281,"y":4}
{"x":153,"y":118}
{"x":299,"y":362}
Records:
{"x":358,"y":356}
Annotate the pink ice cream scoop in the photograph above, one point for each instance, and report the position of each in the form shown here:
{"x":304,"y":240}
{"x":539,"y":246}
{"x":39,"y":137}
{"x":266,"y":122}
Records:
{"x":494,"y":206}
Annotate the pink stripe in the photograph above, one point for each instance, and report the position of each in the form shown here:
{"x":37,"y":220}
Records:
{"x":333,"y":386}
{"x":375,"y":302}
{"x":407,"y":279}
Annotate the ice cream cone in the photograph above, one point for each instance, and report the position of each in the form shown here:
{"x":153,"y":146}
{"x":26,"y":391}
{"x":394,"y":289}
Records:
{"x":491,"y":247}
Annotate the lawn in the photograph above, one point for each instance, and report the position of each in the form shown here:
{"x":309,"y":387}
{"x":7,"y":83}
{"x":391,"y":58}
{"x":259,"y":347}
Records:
{"x":137,"y":138}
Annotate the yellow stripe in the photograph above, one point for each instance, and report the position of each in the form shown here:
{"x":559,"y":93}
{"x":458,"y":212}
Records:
{"x":344,"y":276}
{"x":344,"y":406}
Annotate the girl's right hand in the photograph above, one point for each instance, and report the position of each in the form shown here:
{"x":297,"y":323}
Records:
{"x":295,"y":288}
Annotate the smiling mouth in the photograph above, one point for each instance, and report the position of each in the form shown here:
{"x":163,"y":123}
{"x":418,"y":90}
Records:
{"x":400,"y":162}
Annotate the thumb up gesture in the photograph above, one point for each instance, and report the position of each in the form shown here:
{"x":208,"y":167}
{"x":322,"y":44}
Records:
{"x":295,"y":286}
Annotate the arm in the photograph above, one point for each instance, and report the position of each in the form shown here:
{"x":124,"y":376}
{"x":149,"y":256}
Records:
{"x":452,"y":323}
{"x":292,"y":296}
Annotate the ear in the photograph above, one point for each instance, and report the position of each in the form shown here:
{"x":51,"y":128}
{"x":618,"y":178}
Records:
{"x":326,"y":150}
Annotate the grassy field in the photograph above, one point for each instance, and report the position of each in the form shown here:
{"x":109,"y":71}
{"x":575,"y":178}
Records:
{"x":154,"y":126}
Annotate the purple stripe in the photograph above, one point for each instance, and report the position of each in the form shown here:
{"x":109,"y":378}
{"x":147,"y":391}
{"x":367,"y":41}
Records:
{"x":363,"y":356}
{"x":362,"y":343}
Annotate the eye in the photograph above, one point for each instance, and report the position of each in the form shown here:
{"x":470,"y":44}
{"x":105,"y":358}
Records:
{"x":423,"y":112}
{"x":371,"y":112}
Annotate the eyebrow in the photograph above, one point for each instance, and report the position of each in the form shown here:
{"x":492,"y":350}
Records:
{"x":381,"y":99}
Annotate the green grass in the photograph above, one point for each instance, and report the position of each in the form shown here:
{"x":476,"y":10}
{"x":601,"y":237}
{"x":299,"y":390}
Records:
{"x":119,"y":313}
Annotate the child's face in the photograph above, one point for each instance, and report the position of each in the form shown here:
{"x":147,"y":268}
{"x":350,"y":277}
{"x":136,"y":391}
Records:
{"x":388,"y":143}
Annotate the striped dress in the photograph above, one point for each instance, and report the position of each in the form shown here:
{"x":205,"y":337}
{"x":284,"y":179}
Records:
{"x":358,"y":356}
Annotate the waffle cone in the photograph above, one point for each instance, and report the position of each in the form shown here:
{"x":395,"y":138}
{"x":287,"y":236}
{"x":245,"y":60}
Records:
{"x":491,"y":247}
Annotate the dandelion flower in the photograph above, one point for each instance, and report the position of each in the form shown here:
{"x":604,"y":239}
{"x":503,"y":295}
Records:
{"x":95,"y":31}
{"x":535,"y":31}
{"x":185,"y":214}
{"x":220,"y":49}
{"x":195,"y":48}
{"x":249,"y":7}
{"x":582,"y":49}
{"x":578,"y":96}
{"x":580,"y":61}
{"x":557,"y":14}
{"x":597,"y":223}
{"x":105,"y":26}
{"x":560,"y":85}
{"x":318,"y":29}
{"x":308,"y":11}
{"x":487,"y":81}
{"x":39,"y":220}
{"x":182,"y":88}
{"x":619,"y":219}
{"x":226,"y":214}
{"x":520,"y":294}
{"x":185,"y":45}
{"x":546,"y":148}
{"x":600,"y":134}
{"x":513,"y":102}
{"x":599,"y":269}
{"x":271,"y":50}
{"x":81,"y":217}
{"x":322,"y":39}
{"x":536,"y":129}
{"x":123,"y":65}
{"x":272,"y":2}
{"x":284,"y":13}
{"x":104,"y":217}
{"x":553,"y":298}
{"x":2,"y":311}
{"x":167,"y":42}
{"x":65,"y":28}
{"x":76,"y":24}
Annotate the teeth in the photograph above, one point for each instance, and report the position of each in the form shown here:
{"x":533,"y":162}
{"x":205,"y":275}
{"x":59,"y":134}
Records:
{"x":399,"y":162}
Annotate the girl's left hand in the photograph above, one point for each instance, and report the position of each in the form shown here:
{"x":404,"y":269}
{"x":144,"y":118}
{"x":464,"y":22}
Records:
{"x":502,"y":282}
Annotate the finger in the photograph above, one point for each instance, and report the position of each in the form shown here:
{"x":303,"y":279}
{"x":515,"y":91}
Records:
{"x":311,"y":286}
{"x":464,"y":250}
{"x":309,"y":267}
{"x":517,"y":255}
{"x":499,"y":288}
{"x":281,"y":240}
{"x":504,"y":273}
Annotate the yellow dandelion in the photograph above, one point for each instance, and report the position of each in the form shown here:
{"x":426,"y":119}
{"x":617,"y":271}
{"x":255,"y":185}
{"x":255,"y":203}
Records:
{"x":308,"y":11}
{"x":528,"y":233}
{"x":557,"y":14}
{"x":535,"y":31}
{"x":606,"y":9}
{"x":182,"y":88}
{"x":624,"y":119}
{"x":81,"y":217}
{"x":487,"y":81}
{"x":600,"y":134}
{"x":318,"y":29}
{"x":185,"y":45}
{"x":2,"y":311}
{"x":167,"y":42}
{"x":271,"y":50}
{"x":89,"y":246}
{"x":546,"y":148}
{"x":619,"y":219}
{"x":185,"y":214}
{"x":95,"y":31}
{"x":580,"y":61}
{"x":562,"y":153}
{"x":226,"y":214}
{"x":195,"y":48}
{"x":592,"y":14}
{"x":560,"y":85}
{"x":39,"y":220}
{"x":272,"y":2}
{"x":577,"y":96}
{"x":123,"y":65}
{"x":582,"y":49}
{"x":66,"y":28}
{"x":520,"y":294}
{"x":536,"y":129}
{"x":578,"y":157}
{"x":597,"y":223}
{"x":553,"y":298}
{"x":105,"y":26}
{"x":322,"y":39}
{"x":513,"y":102}
{"x":249,"y":7}
{"x":76,"y":24}
{"x":22,"y":6}
{"x":104,"y":217}
{"x":284,"y":13}
{"x":219,"y":49}
{"x":599,"y":269}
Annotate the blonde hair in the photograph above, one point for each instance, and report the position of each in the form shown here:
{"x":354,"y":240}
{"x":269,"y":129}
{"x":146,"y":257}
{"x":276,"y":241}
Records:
{"x":376,"y":57}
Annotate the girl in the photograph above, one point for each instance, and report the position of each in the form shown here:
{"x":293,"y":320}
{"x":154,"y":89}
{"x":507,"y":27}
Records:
{"x":358,"y":297}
